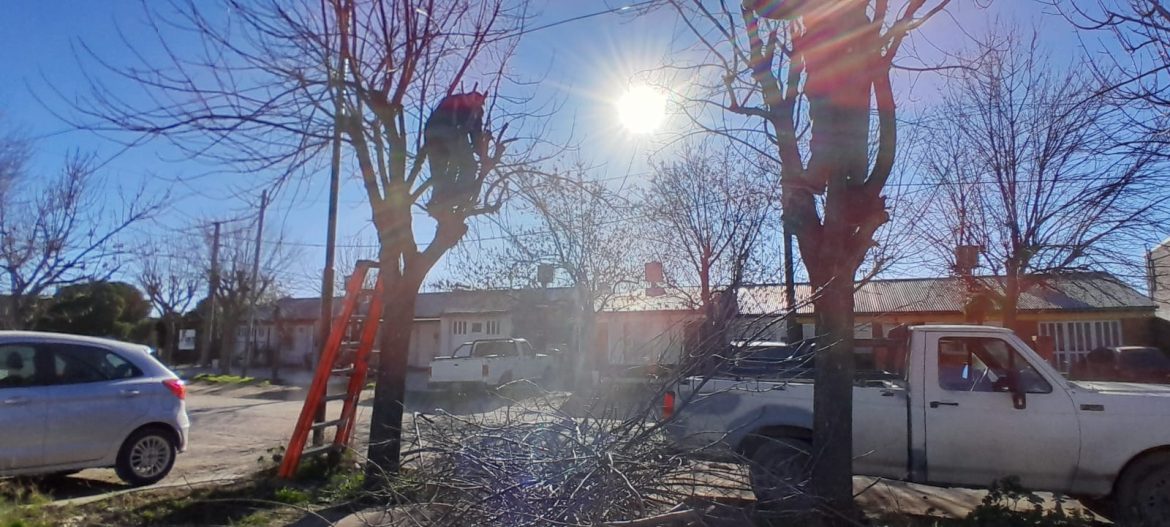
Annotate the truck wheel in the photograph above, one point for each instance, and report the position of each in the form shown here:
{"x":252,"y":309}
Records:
{"x":1143,"y":492}
{"x":780,"y":469}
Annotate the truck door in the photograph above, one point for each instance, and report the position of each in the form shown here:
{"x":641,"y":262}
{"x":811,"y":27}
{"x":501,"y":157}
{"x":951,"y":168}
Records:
{"x":976,"y":434}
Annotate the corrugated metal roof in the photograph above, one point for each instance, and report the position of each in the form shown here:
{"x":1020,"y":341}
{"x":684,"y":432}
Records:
{"x":1076,"y":292}
{"x":433,"y":305}
{"x":1080,"y":292}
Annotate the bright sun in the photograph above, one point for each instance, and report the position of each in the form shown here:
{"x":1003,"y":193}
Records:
{"x":642,"y":109}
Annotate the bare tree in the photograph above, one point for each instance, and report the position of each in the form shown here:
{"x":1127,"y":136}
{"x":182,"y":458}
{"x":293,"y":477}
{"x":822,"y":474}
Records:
{"x":1033,"y":164}
{"x":1140,"y":74}
{"x":171,"y":282}
{"x":269,"y":90}
{"x":235,"y":293}
{"x":582,"y":231}
{"x":787,"y":68}
{"x":56,"y":230}
{"x":710,"y":214}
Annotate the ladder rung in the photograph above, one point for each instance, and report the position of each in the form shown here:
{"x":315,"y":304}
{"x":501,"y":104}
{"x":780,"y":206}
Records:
{"x":342,"y":371}
{"x":336,"y":397}
{"x":320,"y":449}
{"x":327,"y":424}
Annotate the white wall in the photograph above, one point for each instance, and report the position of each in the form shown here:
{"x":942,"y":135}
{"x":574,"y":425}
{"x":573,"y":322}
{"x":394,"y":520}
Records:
{"x":457,"y":328}
{"x":1160,"y":278}
{"x":645,"y":338}
{"x":425,"y":337}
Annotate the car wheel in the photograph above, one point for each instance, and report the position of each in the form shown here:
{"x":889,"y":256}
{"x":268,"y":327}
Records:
{"x":1143,"y":493}
{"x":780,"y":469}
{"x":146,"y":457}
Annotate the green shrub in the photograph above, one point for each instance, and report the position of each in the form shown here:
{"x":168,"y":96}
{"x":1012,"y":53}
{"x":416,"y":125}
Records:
{"x":1009,"y":504}
{"x":291,"y":496}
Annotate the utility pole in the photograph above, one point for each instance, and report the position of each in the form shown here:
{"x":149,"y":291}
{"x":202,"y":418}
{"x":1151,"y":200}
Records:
{"x":327,"y":276}
{"x":212,"y":289}
{"x":793,"y":333}
{"x":253,"y":289}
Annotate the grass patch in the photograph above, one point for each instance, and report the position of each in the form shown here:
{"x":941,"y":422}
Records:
{"x":213,"y":378}
{"x":23,"y":505}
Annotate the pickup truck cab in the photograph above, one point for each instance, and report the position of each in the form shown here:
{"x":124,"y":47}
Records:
{"x":490,"y":362}
{"x":952,"y":405}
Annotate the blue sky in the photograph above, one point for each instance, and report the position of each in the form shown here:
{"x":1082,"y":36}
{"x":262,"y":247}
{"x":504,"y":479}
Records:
{"x":586,"y":64}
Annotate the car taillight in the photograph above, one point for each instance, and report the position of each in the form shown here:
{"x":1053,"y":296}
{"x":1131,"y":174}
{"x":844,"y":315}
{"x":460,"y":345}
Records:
{"x":667,"y":405}
{"x":485,"y":370}
{"x":176,"y":387}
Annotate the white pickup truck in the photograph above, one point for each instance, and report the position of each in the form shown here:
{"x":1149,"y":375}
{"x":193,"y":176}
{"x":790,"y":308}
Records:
{"x":955,"y":405}
{"x":490,"y":362}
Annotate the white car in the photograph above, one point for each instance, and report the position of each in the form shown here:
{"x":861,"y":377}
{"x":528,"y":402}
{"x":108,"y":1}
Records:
{"x":69,"y":403}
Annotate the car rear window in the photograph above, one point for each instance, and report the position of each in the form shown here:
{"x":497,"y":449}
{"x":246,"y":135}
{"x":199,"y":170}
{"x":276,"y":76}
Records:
{"x":498,"y":348}
{"x":1145,"y":359}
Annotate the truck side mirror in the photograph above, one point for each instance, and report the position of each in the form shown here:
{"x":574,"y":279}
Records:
{"x":1019,"y":400}
{"x":1019,"y":396}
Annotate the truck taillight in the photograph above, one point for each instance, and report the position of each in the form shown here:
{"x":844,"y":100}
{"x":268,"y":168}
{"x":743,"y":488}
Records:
{"x":667,"y":405}
{"x":176,"y":387}
{"x":485,"y":370}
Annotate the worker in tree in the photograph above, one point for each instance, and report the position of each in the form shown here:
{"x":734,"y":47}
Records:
{"x":453,"y":137}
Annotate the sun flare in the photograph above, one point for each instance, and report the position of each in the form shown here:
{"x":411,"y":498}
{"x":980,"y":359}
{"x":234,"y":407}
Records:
{"x":642,"y":109}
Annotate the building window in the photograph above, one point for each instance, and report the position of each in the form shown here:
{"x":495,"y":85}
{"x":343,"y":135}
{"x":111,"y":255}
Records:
{"x":1072,"y":340}
{"x":477,"y":327}
{"x":459,"y":327}
{"x":493,"y":327}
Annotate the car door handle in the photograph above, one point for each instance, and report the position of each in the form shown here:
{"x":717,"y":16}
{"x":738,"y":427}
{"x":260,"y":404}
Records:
{"x":131,"y":393}
{"x":15,"y":401}
{"x":936,"y":404}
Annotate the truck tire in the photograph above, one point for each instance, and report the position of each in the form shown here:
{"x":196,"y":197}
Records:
{"x":780,"y":469}
{"x":1143,"y":492}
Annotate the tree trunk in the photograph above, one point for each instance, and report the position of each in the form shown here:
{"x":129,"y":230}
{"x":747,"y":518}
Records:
{"x":793,"y":333}
{"x":227,"y":345}
{"x":1011,"y":295}
{"x":833,"y":396}
{"x":838,"y":45}
{"x":584,"y":328}
{"x":170,"y":347}
{"x":398,"y":299}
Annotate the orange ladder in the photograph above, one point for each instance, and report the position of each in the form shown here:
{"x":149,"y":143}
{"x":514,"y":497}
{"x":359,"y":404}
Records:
{"x":327,"y":368}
